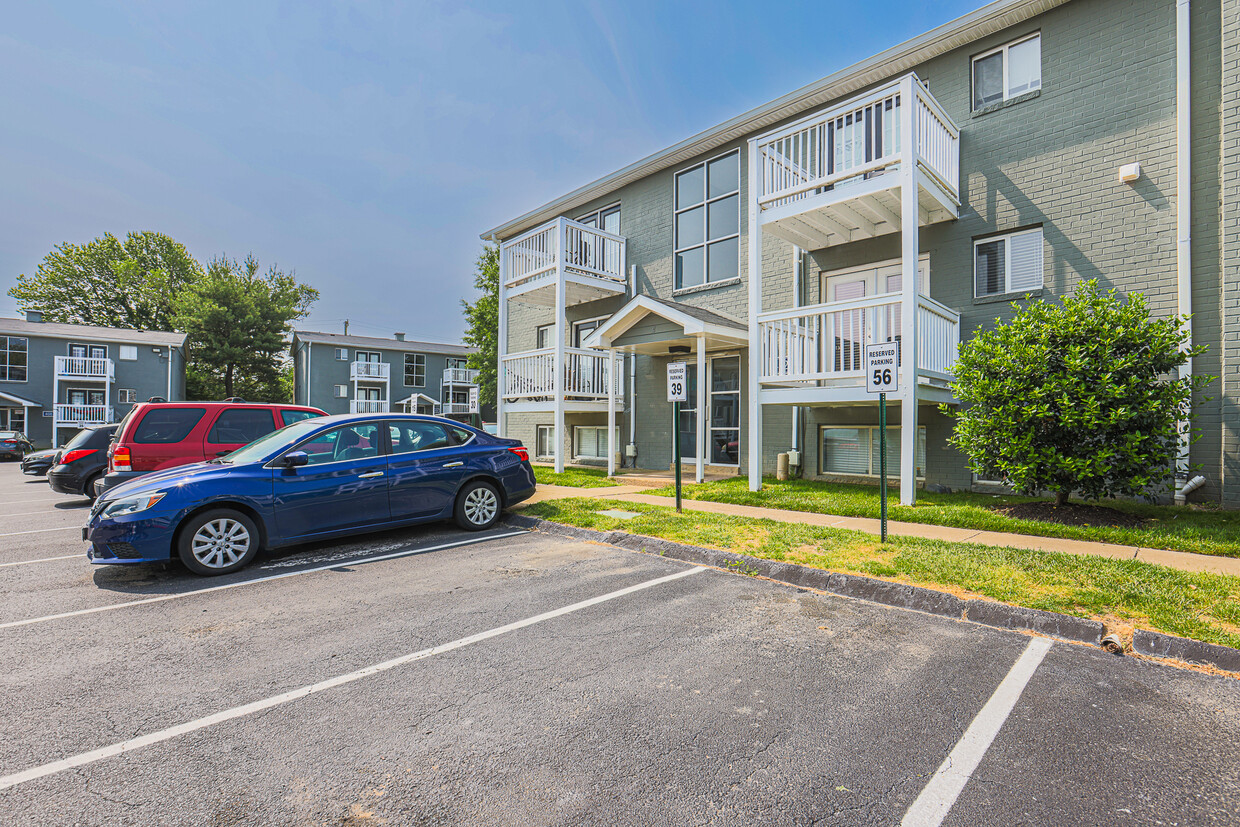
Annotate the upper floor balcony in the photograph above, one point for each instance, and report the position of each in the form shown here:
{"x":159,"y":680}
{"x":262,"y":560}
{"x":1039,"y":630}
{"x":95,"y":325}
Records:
{"x":587,"y":263}
{"x":834,"y":176}
{"x":91,"y":368}
{"x":368,"y":406}
{"x":460,"y":376}
{"x":529,"y":378}
{"x":80,"y":416}
{"x":369,"y":372}
{"x":456,"y":408}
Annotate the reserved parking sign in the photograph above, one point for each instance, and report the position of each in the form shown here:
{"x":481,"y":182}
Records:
{"x":882,"y":367}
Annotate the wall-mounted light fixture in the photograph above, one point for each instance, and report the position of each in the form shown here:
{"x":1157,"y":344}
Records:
{"x":1129,"y":173}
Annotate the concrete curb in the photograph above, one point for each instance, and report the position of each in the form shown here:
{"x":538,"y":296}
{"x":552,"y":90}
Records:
{"x":1158,"y":645}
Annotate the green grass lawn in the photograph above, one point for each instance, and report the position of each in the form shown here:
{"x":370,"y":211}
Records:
{"x":1201,"y":530}
{"x":1119,"y":592}
{"x":575,"y":477}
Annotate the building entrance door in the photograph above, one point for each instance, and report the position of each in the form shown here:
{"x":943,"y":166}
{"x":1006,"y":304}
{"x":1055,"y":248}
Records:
{"x":723,"y":413}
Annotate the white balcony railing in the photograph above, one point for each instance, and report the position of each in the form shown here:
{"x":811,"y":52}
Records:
{"x":368,"y":406}
{"x":449,"y":408}
{"x":460,"y":376}
{"x":586,"y":251}
{"x":83,"y":367}
{"x":586,"y":373}
{"x":827,"y":342}
{"x":369,"y":371}
{"x":83,"y":415}
{"x":856,"y":140}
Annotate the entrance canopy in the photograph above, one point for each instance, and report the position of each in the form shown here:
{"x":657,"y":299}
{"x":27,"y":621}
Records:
{"x":650,"y":326}
{"x":15,"y":401}
{"x":414,"y":401}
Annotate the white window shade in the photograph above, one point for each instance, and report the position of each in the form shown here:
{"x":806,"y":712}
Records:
{"x":1025,"y":272}
{"x":1024,"y":67}
{"x":342,"y":391}
{"x":129,"y":353}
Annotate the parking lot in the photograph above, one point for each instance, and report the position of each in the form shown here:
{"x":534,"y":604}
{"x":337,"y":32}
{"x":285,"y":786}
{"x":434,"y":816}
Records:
{"x":427,"y":676}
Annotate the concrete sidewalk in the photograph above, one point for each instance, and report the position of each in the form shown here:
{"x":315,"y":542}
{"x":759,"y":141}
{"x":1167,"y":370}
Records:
{"x":1183,"y":560}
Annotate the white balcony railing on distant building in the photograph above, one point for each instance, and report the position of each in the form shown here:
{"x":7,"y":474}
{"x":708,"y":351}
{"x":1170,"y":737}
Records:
{"x":82,"y":415}
{"x":85,"y":367}
{"x":368,"y":406}
{"x":369,"y":371}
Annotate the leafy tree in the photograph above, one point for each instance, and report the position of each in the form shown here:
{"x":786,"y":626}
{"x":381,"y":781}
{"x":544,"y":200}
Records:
{"x":1077,"y":395}
{"x":110,"y":283}
{"x":238,"y":324}
{"x":482,"y":319}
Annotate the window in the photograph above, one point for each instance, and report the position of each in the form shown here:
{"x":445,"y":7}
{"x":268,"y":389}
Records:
{"x":606,"y":219}
{"x":855,"y":450}
{"x":342,"y":391}
{"x":591,"y":442}
{"x":88,"y":351}
{"x":241,"y":425}
{"x":79,"y":396}
{"x":343,"y":444}
{"x":129,"y":353}
{"x":415,"y":370}
{"x":457,"y":363}
{"x":126,"y":395}
{"x":1008,"y":263}
{"x":408,"y":437}
{"x":371,"y":356}
{"x":342,"y":354}
{"x":544,"y":336}
{"x":546,"y":441}
{"x":289,"y":417}
{"x":582,"y":330}
{"x":13,"y":356}
{"x":162,"y":426}
{"x":1010,"y":70}
{"x":707,"y":222}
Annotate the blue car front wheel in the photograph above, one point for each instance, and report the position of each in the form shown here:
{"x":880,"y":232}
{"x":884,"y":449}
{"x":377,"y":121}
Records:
{"x":219,"y":541}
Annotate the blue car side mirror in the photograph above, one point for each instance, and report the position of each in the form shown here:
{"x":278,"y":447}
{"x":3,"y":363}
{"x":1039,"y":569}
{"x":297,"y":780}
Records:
{"x":295,"y":459}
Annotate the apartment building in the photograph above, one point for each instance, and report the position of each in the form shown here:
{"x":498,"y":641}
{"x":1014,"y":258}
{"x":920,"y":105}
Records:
{"x":56,"y":378}
{"x":340,"y":373}
{"x":910,"y":198}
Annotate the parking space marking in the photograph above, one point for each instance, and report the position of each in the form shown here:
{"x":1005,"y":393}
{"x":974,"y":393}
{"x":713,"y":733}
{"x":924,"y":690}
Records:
{"x":44,"y":500}
{"x":161,"y":598}
{"x":932,"y":806}
{"x":42,"y":530}
{"x":28,"y":513}
{"x":311,"y":689}
{"x":42,"y":560}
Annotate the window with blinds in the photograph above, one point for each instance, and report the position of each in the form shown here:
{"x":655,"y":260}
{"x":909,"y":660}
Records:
{"x":854,"y":450}
{"x":1008,"y":264}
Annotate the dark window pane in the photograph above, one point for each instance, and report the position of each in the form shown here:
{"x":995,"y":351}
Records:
{"x":343,"y":444}
{"x":690,"y":267}
{"x":725,"y":447}
{"x":988,"y":80}
{"x":989,"y":268}
{"x":726,"y":374}
{"x":241,"y":425}
{"x":724,"y":218}
{"x":690,"y":187}
{"x":166,"y":425}
{"x":724,"y":259}
{"x":289,"y":417}
{"x":419,"y":436}
{"x":724,"y":175}
{"x":690,"y":228}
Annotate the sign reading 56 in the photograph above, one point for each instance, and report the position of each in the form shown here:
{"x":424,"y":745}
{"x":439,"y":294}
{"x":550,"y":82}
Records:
{"x":882,"y":367}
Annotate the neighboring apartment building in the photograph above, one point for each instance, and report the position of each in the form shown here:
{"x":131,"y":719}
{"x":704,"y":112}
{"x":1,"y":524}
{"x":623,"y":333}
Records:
{"x":911,"y":197}
{"x":362,"y":374}
{"x":57,"y":378}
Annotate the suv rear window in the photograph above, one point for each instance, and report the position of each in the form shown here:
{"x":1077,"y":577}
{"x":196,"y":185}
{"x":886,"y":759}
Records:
{"x":290,"y":417}
{"x":241,"y":425}
{"x":90,"y":438}
{"x":165,"y":425}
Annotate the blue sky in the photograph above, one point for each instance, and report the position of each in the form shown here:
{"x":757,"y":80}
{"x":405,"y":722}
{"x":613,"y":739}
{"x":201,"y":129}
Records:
{"x":365,"y":145}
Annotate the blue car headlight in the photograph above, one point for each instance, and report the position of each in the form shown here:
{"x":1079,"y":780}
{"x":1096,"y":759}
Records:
{"x":132,"y":505}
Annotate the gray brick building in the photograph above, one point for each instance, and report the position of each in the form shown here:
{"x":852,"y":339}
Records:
{"x":56,"y":378}
{"x":910,"y":198}
{"x":364,"y":374}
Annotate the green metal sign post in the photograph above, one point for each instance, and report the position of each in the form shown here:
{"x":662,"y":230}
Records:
{"x":882,"y":462}
{"x":676,"y":448}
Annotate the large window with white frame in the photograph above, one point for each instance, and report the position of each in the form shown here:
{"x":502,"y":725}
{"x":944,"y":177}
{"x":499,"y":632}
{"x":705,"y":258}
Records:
{"x":707,"y":221}
{"x":590,"y":441}
{"x":544,"y":336}
{"x":1008,"y":71}
{"x":545,"y":439}
{"x":1010,"y":263}
{"x":854,"y":450}
{"x":607,"y":219}
{"x":415,"y":370}
{"x":14,"y":358}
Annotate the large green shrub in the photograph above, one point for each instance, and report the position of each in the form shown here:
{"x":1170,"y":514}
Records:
{"x":1081,"y":395}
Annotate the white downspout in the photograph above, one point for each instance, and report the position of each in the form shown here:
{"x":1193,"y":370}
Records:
{"x":798,"y":284}
{"x":632,"y":358}
{"x":1183,"y":218}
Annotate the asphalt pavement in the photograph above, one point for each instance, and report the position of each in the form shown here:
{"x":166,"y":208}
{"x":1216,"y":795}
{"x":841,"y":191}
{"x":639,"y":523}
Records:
{"x":428,"y":676}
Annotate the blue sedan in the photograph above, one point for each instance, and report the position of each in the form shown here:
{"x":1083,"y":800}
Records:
{"x":316,"y":479}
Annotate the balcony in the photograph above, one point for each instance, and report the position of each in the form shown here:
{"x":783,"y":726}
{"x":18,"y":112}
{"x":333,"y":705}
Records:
{"x":529,"y":379}
{"x":455,"y":408}
{"x":588,"y":263}
{"x":87,"y":368}
{"x":79,"y":416}
{"x":815,"y":353}
{"x":460,"y":376}
{"x":369,"y":371}
{"x":368,"y":406}
{"x":834,"y":176}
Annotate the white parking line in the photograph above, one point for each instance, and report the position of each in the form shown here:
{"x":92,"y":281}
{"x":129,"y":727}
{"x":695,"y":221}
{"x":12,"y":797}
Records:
{"x":66,"y":498}
{"x":43,"y":560}
{"x":43,"y":530}
{"x":932,"y":806}
{"x":161,"y":598}
{"x":82,"y":510}
{"x":132,"y":744}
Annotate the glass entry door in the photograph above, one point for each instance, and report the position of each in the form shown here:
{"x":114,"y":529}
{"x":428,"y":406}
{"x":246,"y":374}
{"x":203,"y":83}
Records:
{"x":723,"y":413}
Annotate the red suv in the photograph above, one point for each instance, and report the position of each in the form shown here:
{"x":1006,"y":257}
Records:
{"x":158,"y":435}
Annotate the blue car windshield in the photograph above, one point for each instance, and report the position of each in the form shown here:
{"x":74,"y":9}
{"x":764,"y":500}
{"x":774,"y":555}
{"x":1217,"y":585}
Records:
{"x":272,"y":442}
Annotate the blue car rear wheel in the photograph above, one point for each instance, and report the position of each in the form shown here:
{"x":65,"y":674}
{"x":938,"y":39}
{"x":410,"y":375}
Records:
{"x":216,"y":542}
{"x":477,"y":506}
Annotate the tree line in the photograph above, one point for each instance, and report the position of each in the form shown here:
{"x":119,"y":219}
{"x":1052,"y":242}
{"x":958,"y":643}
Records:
{"x":237,"y":317}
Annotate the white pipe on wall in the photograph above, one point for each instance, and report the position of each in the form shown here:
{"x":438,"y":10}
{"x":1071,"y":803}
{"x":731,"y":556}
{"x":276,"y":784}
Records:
{"x":1183,"y":208}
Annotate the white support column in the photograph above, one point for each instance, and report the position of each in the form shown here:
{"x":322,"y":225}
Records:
{"x":55,"y":402}
{"x":613,"y":376}
{"x":107,"y":395}
{"x":909,"y":294}
{"x":754,"y":407}
{"x":502,"y":350}
{"x":561,"y":231}
{"x":703,"y":377}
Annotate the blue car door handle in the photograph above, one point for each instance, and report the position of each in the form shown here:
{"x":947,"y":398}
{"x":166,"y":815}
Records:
{"x":370,"y":475}
{"x":453,"y":464}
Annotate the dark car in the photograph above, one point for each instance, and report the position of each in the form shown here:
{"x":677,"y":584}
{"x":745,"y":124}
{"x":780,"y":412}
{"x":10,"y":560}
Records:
{"x":40,"y":462}
{"x":14,"y":445}
{"x":83,"y":460}
{"x":315,"y":479}
{"x":158,"y":435}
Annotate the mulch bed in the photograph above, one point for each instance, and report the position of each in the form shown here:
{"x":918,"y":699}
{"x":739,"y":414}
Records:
{"x":1070,"y":514}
